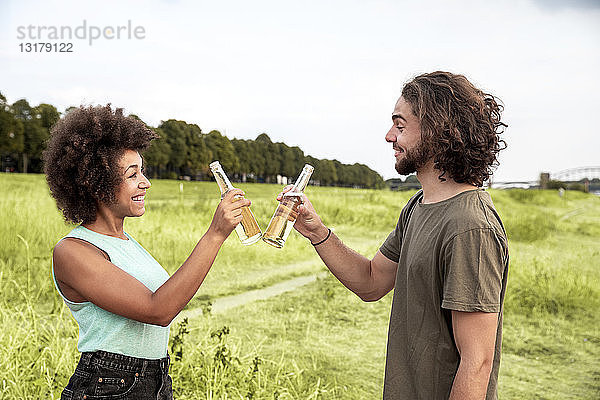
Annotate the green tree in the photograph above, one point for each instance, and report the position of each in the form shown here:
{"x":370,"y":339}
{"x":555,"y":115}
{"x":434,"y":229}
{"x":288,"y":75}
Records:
{"x":174,"y":133}
{"x":317,"y":175}
{"x":71,"y":108}
{"x":158,"y":154}
{"x":341,"y":173}
{"x":354,"y":174}
{"x":328,"y":172}
{"x":244,"y":154}
{"x":182,"y":149}
{"x":287,"y":160}
{"x":35,"y":135}
{"x":198,"y":153}
{"x":49,"y":115}
{"x":223,"y":151}
{"x":190,"y":151}
{"x":271,"y":156}
{"x":12,"y":138}
{"x":298,"y":160}
{"x":263,"y":138}
{"x":257,"y":159}
{"x":411,"y":179}
{"x":156,"y":157}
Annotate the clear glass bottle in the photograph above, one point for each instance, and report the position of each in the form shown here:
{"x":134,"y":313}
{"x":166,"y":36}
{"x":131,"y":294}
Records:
{"x":286,"y":213}
{"x":248,"y":230}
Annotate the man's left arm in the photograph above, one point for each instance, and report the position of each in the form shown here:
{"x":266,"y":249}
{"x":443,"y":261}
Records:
{"x":475,"y":338}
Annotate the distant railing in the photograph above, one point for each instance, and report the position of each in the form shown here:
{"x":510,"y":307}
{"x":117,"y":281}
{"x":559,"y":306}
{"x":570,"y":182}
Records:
{"x":576,"y":174}
{"x":515,"y":185}
{"x":569,"y":176}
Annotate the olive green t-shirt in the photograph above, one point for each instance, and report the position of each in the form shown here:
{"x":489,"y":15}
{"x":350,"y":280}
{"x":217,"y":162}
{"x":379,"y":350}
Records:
{"x":452,"y":255}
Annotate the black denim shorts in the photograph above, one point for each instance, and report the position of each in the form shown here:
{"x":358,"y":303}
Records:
{"x":104,"y":375}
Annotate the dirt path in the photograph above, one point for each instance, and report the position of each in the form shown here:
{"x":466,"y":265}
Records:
{"x":578,"y":211}
{"x":222,"y":304}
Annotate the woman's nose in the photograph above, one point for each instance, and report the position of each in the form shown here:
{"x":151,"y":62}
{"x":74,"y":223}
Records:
{"x":145,"y":183}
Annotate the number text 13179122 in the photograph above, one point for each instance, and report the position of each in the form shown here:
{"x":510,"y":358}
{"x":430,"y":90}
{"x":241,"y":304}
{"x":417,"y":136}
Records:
{"x":46,"y":47}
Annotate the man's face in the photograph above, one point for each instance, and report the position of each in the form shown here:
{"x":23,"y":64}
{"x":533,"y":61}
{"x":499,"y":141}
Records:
{"x":405,"y":135}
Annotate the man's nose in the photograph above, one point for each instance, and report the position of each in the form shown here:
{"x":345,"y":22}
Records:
{"x":390,"y":135}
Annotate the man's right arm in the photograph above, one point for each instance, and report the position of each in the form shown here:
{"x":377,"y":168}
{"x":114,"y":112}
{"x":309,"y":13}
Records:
{"x":369,"y":279}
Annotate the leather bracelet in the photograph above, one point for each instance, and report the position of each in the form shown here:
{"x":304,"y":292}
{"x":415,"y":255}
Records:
{"x":322,"y":241}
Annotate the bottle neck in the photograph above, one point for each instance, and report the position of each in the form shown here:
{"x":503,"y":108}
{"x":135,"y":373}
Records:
{"x":303,"y":179}
{"x":221,"y":178}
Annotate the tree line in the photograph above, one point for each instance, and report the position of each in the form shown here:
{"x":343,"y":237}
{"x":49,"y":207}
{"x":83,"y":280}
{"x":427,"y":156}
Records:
{"x":183,"y":151}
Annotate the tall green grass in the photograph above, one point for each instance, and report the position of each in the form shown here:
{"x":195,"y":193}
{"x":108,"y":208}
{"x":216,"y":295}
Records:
{"x":320,"y":341}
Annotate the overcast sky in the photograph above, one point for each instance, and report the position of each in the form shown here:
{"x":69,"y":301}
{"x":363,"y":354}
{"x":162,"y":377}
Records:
{"x":322,"y":75}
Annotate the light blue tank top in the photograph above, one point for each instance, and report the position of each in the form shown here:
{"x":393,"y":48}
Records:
{"x":103,"y":330}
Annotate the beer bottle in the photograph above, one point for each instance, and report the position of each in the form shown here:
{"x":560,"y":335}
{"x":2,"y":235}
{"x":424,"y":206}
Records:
{"x":248,"y":230}
{"x":286,"y":213}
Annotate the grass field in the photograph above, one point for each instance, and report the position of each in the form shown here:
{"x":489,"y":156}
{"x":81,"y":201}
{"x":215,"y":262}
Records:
{"x":318,"y":341}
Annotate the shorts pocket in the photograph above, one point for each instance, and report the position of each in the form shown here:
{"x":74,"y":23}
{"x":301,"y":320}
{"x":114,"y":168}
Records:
{"x":112,"y":383}
{"x":66,"y":394}
{"x":80,"y":380}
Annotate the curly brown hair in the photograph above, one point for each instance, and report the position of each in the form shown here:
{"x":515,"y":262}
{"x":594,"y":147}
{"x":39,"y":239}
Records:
{"x":81,"y":160}
{"x":460,"y":125}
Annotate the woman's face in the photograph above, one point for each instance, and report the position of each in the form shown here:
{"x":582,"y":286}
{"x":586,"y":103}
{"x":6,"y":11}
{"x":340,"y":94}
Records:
{"x":130,"y":194}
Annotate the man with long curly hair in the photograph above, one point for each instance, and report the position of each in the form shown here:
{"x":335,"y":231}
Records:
{"x":447,"y":258}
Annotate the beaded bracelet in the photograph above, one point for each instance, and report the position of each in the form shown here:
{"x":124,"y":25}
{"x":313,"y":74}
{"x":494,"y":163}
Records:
{"x":327,"y":237}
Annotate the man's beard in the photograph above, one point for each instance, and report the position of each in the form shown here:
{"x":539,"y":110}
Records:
{"x":413,"y":159}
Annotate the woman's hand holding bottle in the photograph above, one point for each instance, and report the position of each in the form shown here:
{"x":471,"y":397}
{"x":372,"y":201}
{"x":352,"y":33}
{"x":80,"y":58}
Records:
{"x":228,"y":213}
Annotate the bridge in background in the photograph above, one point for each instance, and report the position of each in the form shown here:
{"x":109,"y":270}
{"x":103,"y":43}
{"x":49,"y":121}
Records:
{"x":576,"y":174}
{"x":571,"y":175}
{"x":515,"y":185}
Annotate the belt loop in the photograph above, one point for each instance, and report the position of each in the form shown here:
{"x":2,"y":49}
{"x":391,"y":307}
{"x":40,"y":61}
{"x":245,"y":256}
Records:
{"x":144,"y":365}
{"x":86,"y":358}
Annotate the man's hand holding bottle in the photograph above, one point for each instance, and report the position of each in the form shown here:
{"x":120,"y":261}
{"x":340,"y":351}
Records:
{"x":308,"y":222}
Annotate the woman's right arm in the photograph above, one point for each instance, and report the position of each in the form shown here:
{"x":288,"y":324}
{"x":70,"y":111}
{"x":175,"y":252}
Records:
{"x":83,"y":269}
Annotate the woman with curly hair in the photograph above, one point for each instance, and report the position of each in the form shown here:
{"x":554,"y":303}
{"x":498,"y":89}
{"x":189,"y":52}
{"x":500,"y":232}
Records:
{"x":120,"y":296}
{"x":447,"y":258}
